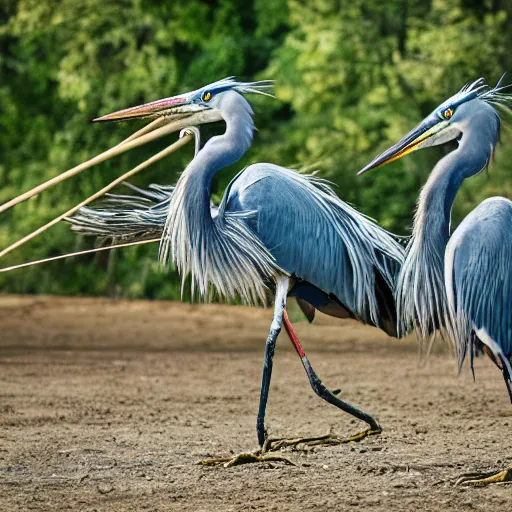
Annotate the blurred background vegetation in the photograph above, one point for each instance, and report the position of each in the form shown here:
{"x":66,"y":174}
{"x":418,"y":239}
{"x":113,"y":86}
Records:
{"x":352,"y":76}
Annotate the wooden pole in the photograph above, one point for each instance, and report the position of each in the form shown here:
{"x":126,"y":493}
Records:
{"x":162,"y":154}
{"x":80,"y":253}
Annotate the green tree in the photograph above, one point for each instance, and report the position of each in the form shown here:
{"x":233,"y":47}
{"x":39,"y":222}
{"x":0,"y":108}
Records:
{"x":351,"y":78}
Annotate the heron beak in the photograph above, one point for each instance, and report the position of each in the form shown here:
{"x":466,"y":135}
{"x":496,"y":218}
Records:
{"x":175,"y":107}
{"x":414,"y":140}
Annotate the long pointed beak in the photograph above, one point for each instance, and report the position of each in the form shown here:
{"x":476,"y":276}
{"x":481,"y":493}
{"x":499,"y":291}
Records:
{"x":412,"y":141}
{"x":176,"y":107}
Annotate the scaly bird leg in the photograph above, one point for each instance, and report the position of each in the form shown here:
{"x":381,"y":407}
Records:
{"x":484,"y":479}
{"x":275,"y":329}
{"x":268,"y":445}
{"x":323,"y":392}
{"x":262,"y":455}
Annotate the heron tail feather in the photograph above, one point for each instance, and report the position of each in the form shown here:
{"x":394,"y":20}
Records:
{"x":132,"y":217}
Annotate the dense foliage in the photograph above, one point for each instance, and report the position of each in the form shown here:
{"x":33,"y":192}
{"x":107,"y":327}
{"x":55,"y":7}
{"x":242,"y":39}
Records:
{"x":351,"y":76}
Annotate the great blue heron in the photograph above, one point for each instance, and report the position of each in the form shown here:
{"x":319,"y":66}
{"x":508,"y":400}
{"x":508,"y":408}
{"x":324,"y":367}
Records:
{"x":462,"y":284}
{"x":274,"y":229}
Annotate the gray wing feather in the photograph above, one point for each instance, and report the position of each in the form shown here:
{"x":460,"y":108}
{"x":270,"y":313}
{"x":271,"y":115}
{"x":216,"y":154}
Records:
{"x":317,"y":237}
{"x":478,"y":276}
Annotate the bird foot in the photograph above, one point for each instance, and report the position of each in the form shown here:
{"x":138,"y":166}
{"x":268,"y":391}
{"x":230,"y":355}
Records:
{"x":272,"y":445}
{"x":484,"y":479}
{"x":267,"y":452}
{"x":245,"y":458}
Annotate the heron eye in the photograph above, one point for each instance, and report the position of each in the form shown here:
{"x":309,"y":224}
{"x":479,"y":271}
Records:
{"x":207,"y":96}
{"x":448,"y":113}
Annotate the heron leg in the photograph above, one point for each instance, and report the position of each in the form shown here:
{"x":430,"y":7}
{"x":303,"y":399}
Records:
{"x":484,"y":479}
{"x":261,"y":454}
{"x":320,"y":389}
{"x":268,"y":445}
{"x":270,"y":345}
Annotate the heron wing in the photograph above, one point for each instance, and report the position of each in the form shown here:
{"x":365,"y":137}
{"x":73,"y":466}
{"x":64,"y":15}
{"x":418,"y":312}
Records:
{"x":478,"y":277}
{"x":315,"y":236}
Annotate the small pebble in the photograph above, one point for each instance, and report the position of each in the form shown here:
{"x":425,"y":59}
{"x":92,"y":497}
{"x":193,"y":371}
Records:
{"x":105,"y":488}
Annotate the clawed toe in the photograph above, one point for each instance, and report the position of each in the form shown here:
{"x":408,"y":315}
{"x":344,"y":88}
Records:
{"x":484,"y":479}
{"x":272,"y":445}
{"x":267,"y":453}
{"x":245,"y":458}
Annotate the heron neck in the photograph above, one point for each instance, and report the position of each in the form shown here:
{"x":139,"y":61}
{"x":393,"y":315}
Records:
{"x":221,"y":151}
{"x":433,"y":215}
{"x":215,"y":248}
{"x":190,"y":224}
{"x":420,"y":291}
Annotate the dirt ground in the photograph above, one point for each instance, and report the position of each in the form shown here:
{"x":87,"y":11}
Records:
{"x":109,"y":405}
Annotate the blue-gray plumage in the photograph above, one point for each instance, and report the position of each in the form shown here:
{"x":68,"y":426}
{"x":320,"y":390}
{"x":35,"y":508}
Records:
{"x":478,"y":267}
{"x":459,"y":284}
{"x":274,"y":229}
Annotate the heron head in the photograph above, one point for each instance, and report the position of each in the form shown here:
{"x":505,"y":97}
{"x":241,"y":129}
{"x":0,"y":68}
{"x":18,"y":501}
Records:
{"x":205,"y":100}
{"x":449,"y":121}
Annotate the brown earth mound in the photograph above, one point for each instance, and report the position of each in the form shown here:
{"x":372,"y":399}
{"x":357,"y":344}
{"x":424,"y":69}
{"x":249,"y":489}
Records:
{"x":109,"y":405}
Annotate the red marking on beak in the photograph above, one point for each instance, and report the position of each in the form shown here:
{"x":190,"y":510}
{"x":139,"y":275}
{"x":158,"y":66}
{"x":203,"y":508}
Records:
{"x":146,"y":110}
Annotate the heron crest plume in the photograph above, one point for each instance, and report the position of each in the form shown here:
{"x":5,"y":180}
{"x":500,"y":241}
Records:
{"x":260,"y":87}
